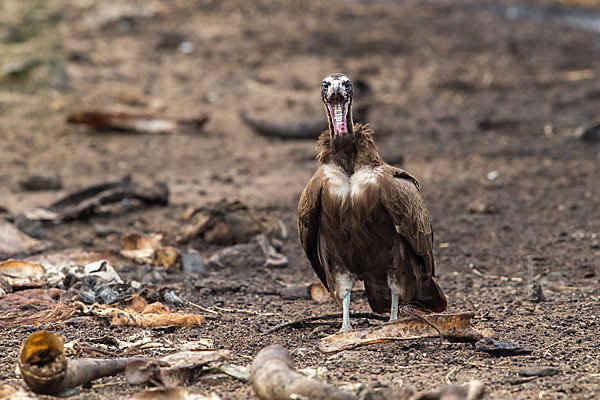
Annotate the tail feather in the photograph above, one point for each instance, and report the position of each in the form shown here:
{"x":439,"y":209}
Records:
{"x":430,"y":296}
{"x":380,"y":298}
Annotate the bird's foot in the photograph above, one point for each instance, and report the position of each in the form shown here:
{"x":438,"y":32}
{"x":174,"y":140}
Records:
{"x":345,"y":327}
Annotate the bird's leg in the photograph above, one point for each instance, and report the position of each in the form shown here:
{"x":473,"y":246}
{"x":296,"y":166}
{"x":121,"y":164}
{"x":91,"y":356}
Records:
{"x":396,"y":290}
{"x":394,"y":308}
{"x":345,"y":284}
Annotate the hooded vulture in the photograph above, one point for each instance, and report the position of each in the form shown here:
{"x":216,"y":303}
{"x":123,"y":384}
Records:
{"x":360,"y":218}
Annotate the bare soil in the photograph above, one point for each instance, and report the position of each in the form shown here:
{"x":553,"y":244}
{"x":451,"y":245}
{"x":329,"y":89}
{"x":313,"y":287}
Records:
{"x":486,"y":111}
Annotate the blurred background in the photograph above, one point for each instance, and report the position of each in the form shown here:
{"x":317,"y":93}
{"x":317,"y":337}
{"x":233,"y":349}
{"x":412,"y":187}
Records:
{"x":492,"y":105}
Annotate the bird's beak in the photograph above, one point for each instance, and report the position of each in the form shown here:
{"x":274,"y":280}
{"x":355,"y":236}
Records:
{"x":337,"y":102}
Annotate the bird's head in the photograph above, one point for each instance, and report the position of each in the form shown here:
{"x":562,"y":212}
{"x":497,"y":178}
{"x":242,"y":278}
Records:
{"x":336,"y":93}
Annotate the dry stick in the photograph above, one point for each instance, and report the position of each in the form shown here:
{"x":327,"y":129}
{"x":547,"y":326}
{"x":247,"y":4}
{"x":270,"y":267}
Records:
{"x":241,"y":310}
{"x":203,"y":308}
{"x":325,"y":316}
{"x":420,"y":317}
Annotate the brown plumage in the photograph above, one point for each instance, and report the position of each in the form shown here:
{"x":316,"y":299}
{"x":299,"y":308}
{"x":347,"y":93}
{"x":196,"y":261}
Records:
{"x":360,"y":218}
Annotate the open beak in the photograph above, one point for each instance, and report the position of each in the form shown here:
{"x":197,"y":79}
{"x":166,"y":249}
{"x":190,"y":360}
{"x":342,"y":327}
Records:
{"x":337,"y":101}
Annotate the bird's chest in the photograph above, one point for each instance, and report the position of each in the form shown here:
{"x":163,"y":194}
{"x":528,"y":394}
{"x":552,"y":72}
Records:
{"x":351,"y":203}
{"x":354,"y":223}
{"x":343,"y":188}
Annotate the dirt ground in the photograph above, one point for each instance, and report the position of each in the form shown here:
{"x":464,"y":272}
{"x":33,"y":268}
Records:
{"x":484,"y":106}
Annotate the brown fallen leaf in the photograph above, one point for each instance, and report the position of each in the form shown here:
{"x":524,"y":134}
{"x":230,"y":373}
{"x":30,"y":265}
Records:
{"x":274,"y":377}
{"x":34,"y":307}
{"x":141,"y":247}
{"x":141,"y":314}
{"x":455,"y":327}
{"x":13,"y":242}
{"x":167,"y":257}
{"x":136,"y":123}
{"x":21,"y":274}
{"x":319,"y":293}
{"x":173,"y":394}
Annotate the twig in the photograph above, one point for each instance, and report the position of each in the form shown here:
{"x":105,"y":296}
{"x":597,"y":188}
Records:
{"x":485,"y":365}
{"x":415,"y":315}
{"x":299,"y":322}
{"x":491,"y":276}
{"x":450,"y":373}
{"x":252,"y":312}
{"x":203,"y":308}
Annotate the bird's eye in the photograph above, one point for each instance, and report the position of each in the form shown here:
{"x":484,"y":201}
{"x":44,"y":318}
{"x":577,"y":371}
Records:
{"x":347,"y":85}
{"x":324,"y":85}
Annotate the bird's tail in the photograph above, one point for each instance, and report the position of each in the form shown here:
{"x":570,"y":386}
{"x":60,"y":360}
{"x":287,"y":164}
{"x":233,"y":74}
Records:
{"x":380,"y":297}
{"x":430,"y":296}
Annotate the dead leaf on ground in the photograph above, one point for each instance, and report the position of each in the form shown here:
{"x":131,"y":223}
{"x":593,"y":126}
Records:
{"x":167,"y":257}
{"x":21,"y":274}
{"x":139,"y":313}
{"x":140,"y":123}
{"x":141,"y":247}
{"x":229,"y":223}
{"x":34,"y":306}
{"x":456,"y":327}
{"x":173,"y":394}
{"x":13,"y":242}
{"x":319,"y":293}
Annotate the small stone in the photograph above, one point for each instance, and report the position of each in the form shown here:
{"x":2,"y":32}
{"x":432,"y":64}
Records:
{"x":193,"y":264}
{"x":536,"y":294}
{"x":538,"y":371}
{"x":172,"y":298}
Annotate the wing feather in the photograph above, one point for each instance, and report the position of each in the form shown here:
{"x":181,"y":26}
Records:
{"x":401,"y":197}
{"x":309,"y":216}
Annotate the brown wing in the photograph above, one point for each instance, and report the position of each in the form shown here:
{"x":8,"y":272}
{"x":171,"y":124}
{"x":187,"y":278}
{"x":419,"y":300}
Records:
{"x":401,"y":197}
{"x":309,"y":216}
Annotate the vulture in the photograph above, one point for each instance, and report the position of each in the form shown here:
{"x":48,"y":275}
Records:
{"x":360,"y":218}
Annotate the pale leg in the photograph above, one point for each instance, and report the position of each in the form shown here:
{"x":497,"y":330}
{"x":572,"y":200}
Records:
{"x":394,"y":308}
{"x":345,"y":283}
{"x":396,"y":290}
{"x":346,"y":322}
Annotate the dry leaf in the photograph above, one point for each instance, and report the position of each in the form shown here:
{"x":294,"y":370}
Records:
{"x":456,"y":327}
{"x":153,"y":315}
{"x":22,"y":274}
{"x":319,"y":293}
{"x":14,"y":242}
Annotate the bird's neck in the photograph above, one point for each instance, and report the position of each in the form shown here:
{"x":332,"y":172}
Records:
{"x":349,"y":153}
